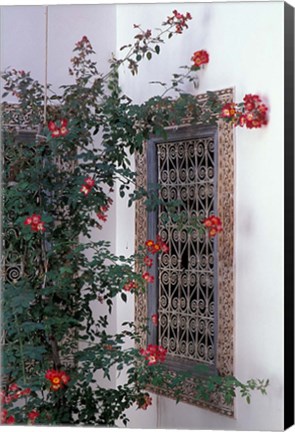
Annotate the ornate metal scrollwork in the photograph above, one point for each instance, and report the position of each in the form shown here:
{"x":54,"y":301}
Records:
{"x":186,"y":273}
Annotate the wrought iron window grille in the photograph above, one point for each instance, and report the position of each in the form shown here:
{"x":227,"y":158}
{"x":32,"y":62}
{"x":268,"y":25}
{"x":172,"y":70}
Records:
{"x":184,"y":296}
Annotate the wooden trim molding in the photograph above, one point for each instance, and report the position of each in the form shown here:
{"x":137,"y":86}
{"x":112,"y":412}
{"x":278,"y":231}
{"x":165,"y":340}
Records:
{"x":225,"y":307}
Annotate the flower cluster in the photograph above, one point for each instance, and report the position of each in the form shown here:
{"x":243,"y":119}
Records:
{"x":148,"y":261}
{"x":179,"y":20}
{"x":5,"y":419}
{"x":60,"y":130}
{"x":20,"y":73}
{"x":229,"y":110}
{"x":159,"y":246}
{"x":33,"y":415}
{"x":213,"y":223}
{"x":144,"y":401}
{"x":154,"y":354}
{"x":84,"y":42}
{"x":101,"y":214}
{"x":58,"y":379}
{"x":13,"y":394}
{"x":87,"y":186}
{"x":35,"y":223}
{"x":251,"y":113}
{"x":155,"y":319}
{"x":108,"y":347}
{"x":84,"y":48}
{"x":130,"y":286}
{"x":148,"y":277}
{"x":153,"y":248}
{"x":199,"y":58}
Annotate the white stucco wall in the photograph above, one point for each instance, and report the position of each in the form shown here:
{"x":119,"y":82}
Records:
{"x":245,"y":42}
{"x":23,"y":37}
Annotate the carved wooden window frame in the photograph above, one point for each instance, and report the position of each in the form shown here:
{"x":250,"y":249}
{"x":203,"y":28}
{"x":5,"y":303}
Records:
{"x":225,"y":295}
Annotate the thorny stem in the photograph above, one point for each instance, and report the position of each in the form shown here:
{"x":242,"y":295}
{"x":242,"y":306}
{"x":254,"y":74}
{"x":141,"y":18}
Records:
{"x":132,"y":50}
{"x":179,"y":80}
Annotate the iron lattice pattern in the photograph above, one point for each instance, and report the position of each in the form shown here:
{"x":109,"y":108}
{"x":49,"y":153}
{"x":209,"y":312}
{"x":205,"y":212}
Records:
{"x":186,"y":172}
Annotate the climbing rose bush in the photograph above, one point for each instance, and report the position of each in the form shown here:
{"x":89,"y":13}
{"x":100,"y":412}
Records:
{"x":251,"y":113}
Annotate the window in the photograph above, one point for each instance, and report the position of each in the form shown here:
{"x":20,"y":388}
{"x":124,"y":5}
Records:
{"x":193,"y":295}
{"x":184,"y":296}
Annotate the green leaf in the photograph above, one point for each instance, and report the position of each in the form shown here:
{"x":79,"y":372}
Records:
{"x":157,"y":49}
{"x":148,"y":55}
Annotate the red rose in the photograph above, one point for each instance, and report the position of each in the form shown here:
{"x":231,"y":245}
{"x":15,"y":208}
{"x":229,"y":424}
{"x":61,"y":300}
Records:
{"x":25,"y":392}
{"x":13,"y":387}
{"x":148,"y":261}
{"x":35,"y":222}
{"x":147,"y":277}
{"x":33,"y":415}
{"x":213,"y":223}
{"x":163,"y":246}
{"x":155,"y":319}
{"x":262,"y":108}
{"x":57,"y":131}
{"x":200,"y":57}
{"x":144,"y":402}
{"x":10,"y":420}
{"x":130,"y":286}
{"x":154,"y":354}
{"x":57,"y":378}
{"x":228,"y":110}
{"x":28,"y":220}
{"x":89,"y":181}
{"x":101,"y":216}
{"x":52,"y":126}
